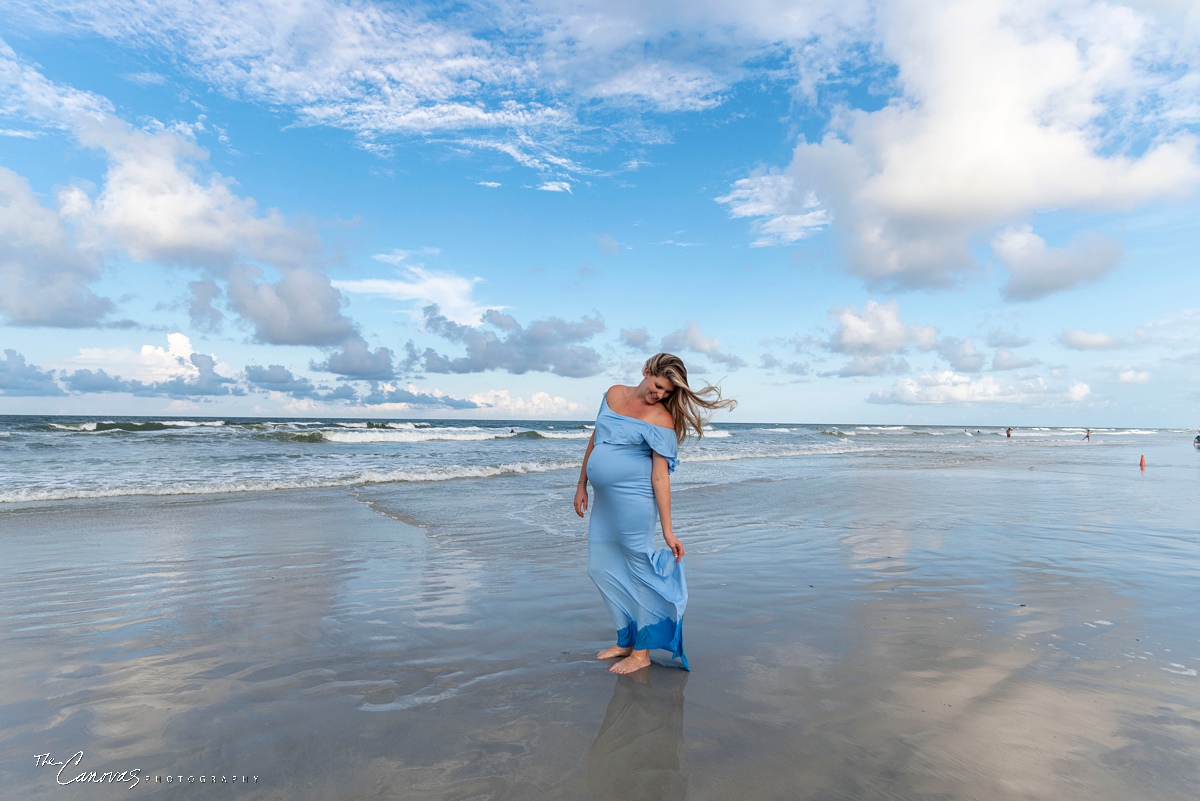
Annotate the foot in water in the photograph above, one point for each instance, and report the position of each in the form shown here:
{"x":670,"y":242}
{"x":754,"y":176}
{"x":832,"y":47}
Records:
{"x":632,"y":663}
{"x":613,"y":651}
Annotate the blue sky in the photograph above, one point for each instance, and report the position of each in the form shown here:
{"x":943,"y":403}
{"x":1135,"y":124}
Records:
{"x":931,"y":212}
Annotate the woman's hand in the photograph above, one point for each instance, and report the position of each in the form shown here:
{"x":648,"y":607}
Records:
{"x":674,"y":544}
{"x":581,"y":499}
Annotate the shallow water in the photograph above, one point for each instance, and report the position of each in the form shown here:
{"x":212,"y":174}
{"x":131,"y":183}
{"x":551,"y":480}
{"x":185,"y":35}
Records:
{"x":990,"y":619}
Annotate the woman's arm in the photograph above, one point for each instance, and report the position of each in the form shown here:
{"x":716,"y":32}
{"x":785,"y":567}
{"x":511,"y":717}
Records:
{"x":660,"y":479}
{"x":581,"y":501}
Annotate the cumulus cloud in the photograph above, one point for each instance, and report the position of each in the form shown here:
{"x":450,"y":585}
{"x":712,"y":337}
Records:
{"x":945,"y":387}
{"x":636,"y":338}
{"x":951,"y":388}
{"x":773,"y":363}
{"x":201,"y":304}
{"x":555,"y":186}
{"x":277,"y":378}
{"x":149,"y":364}
{"x":45,"y":277}
{"x":387,"y":394}
{"x":866,"y":365}
{"x":1036,"y":271}
{"x":21,"y":379}
{"x":1133,"y":377}
{"x":1006,"y":339}
{"x":691,"y":338}
{"x":1078,"y":339}
{"x":451,"y":293}
{"x":158,"y":203}
{"x":175,"y":371}
{"x":301,"y":308}
{"x":205,"y":382}
{"x":877,"y":330}
{"x":501,"y":343}
{"x":1005,"y":359}
{"x":539,"y":405}
{"x":998,"y":111}
{"x":100,"y":381}
{"x":961,"y":354}
{"x":357,"y":360}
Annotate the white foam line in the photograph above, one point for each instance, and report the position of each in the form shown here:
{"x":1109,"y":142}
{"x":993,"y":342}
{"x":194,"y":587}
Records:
{"x":370,"y":477}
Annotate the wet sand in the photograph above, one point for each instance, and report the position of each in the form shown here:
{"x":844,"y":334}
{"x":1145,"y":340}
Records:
{"x":979,"y":632}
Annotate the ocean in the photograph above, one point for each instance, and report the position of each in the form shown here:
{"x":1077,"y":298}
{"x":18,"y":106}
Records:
{"x":65,"y":458}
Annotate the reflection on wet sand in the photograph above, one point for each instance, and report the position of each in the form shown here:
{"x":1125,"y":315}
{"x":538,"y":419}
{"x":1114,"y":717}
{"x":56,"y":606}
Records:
{"x":639,"y":751}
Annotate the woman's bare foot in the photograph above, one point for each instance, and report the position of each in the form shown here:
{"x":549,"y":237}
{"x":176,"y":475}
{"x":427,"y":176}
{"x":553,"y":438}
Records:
{"x":632,"y":663}
{"x":616,"y":650}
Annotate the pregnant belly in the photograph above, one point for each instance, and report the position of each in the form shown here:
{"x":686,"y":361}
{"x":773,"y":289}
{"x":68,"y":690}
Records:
{"x":620,"y":467}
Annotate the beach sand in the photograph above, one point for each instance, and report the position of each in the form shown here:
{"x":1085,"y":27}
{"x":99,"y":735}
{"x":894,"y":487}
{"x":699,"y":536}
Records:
{"x":969,"y":632}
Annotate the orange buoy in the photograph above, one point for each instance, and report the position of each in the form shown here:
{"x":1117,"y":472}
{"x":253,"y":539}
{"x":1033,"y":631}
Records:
{"x":1143,"y":465}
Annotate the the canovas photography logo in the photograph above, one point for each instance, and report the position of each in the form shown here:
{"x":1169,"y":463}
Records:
{"x":71,"y":771}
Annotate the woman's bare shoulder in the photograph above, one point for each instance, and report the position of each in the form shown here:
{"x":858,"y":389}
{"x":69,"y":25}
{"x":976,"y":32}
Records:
{"x":618,"y":393}
{"x":661,"y":416}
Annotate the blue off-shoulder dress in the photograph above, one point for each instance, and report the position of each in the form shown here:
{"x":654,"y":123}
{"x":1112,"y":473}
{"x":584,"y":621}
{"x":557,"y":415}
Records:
{"x":643,"y":587}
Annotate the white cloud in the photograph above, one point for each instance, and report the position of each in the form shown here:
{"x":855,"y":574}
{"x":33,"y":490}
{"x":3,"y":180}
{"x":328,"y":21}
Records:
{"x":636,"y":338}
{"x":45,"y":277}
{"x":357,"y":360}
{"x":1036,"y":271}
{"x":157,"y":204}
{"x":1133,"y":377}
{"x":539,"y":405}
{"x":949,"y":388}
{"x":962,"y":354}
{"x":301,"y":308}
{"x":946,"y":387}
{"x":18,"y":378}
{"x":1007,"y":360}
{"x":556,"y":186}
{"x":877,"y":330}
{"x":150,"y":364}
{"x":146,"y":78}
{"x":867,"y":365}
{"x":490,"y":184}
{"x":552,"y":345}
{"x":1001,"y":110}
{"x":451,"y":292}
{"x":691,"y":338}
{"x":663,"y":86}
{"x":1078,"y":339}
{"x":762,"y":196}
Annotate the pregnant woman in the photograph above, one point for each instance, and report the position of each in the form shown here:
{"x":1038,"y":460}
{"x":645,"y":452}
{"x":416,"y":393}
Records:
{"x":629,"y":461}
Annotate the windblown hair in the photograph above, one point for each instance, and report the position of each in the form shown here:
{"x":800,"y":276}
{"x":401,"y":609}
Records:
{"x":686,"y":405}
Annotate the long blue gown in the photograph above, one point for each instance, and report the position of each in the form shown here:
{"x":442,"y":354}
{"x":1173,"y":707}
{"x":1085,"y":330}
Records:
{"x":643,"y":587}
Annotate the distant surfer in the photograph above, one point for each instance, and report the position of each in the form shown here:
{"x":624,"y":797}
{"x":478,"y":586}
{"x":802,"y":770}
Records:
{"x":1088,"y":436}
{"x":1008,"y":433}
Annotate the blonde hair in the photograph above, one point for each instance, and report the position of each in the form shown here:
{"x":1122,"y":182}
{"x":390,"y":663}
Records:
{"x":684,"y":403}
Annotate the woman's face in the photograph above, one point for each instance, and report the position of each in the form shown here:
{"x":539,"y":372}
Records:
{"x":656,"y":387}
